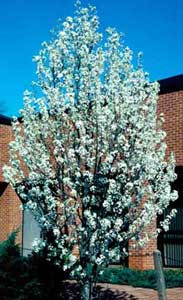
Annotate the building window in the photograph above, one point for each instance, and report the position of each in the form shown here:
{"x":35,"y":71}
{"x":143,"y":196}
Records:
{"x":30,"y":232}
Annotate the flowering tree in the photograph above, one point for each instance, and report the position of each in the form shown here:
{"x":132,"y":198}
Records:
{"x":88,"y":157}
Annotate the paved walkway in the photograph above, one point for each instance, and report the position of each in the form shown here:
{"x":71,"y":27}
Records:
{"x":145,"y":294}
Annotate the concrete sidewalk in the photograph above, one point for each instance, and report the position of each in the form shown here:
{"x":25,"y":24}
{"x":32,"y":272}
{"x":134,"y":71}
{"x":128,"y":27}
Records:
{"x":145,"y":294}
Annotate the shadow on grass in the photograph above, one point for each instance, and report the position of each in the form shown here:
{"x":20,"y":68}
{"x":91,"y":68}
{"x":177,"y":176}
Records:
{"x":72,"y":291}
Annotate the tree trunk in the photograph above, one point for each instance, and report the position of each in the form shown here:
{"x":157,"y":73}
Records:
{"x":87,"y":290}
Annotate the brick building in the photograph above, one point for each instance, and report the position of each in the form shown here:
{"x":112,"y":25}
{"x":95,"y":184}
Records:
{"x":10,"y":211}
{"x":170,"y":243}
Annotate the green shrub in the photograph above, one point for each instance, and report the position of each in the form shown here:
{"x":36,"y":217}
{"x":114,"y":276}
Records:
{"x":174,"y":278}
{"x":129,"y":277}
{"x":136,"y":278}
{"x":15,"y":280}
{"x":27,"y":278}
{"x":47,"y":274}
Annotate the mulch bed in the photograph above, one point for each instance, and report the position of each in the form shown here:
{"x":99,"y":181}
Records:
{"x":71,"y":291}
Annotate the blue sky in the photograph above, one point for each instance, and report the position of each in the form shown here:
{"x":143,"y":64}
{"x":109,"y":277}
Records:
{"x":154,"y":27}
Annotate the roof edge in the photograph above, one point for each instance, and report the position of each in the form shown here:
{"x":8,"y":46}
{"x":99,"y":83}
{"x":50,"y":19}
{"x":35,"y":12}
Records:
{"x":5,"y":120}
{"x":171,"y":84}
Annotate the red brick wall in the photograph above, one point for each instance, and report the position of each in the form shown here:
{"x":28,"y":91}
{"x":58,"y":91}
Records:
{"x":171,"y":105}
{"x":142,"y":258}
{"x":10,"y":210}
{"x":5,"y":138}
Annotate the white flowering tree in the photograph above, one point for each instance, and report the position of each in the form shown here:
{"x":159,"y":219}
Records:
{"x":88,"y":158}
